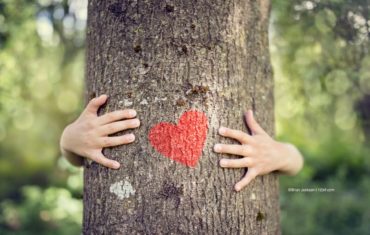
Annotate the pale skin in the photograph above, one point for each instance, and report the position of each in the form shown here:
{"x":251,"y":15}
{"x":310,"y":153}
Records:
{"x":89,"y":134}
{"x":260,"y":153}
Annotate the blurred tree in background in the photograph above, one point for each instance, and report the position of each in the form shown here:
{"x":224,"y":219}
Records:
{"x":320,"y":53}
{"x":41,"y":84}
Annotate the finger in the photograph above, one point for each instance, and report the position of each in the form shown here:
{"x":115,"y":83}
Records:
{"x":251,"y":174}
{"x":115,"y":127}
{"x":236,"y":149}
{"x":116,"y":116}
{"x":117,"y":140}
{"x":236,"y":163}
{"x":240,"y":136}
{"x":102,"y":160}
{"x":252,"y":123}
{"x":94,"y":104}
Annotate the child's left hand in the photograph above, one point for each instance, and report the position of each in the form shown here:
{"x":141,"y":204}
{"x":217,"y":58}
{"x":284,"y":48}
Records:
{"x":260,"y":153}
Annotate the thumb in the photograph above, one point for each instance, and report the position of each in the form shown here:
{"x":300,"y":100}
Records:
{"x":252,"y":123}
{"x":94,"y":104}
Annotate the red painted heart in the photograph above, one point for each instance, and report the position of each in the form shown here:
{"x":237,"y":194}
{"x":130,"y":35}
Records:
{"x":182,"y":142}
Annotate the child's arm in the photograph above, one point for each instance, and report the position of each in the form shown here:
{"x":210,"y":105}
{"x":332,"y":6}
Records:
{"x":88,"y":135}
{"x":260,"y":153}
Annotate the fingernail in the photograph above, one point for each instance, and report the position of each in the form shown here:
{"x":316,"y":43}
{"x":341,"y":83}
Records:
{"x":222,"y":162}
{"x":132,"y":113}
{"x":237,"y":188}
{"x":136,"y":122}
{"x":222,"y":130}
{"x":116,"y":165}
{"x":217,"y":147}
{"x":131,"y":137}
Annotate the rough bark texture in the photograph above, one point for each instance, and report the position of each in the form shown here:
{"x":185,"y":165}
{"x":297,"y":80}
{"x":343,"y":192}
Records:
{"x":163,"y":58}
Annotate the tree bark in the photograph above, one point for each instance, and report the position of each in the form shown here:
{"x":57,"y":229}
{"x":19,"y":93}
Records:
{"x":164,"y":58}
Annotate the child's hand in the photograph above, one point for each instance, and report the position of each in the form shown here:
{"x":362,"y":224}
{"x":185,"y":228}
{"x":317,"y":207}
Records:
{"x":260,"y":153}
{"x":88,"y":135}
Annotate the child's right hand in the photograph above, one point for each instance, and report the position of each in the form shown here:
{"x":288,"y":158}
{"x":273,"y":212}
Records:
{"x":88,"y":135}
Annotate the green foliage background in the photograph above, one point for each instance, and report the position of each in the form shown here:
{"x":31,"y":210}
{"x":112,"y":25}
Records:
{"x":320,"y":54}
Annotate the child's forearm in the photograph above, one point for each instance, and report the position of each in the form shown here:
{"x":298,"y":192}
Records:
{"x":293,"y":160}
{"x":73,"y":158}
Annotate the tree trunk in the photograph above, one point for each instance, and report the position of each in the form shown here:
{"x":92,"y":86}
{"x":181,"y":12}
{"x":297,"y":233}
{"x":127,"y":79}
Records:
{"x":209,"y":58}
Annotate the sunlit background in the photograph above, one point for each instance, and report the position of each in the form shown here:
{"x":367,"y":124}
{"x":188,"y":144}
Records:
{"x":320,"y":54}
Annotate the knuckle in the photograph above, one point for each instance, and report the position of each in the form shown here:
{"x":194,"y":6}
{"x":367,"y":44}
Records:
{"x":105,"y":162}
{"x":124,"y":139}
{"x":254,"y":172}
{"x":254,"y":122}
{"x":107,"y":141}
{"x":252,"y":151}
{"x":239,"y":134}
{"x":111,"y":128}
{"x":126,"y":112}
{"x":239,"y":163}
{"x":134,"y":122}
{"x":123,"y":113}
{"x":119,"y":114}
{"x":111,"y":116}
{"x":245,"y":150}
{"x":244,"y":138}
{"x":251,"y":141}
{"x":95,"y":157}
{"x":124,"y":125}
{"x":100,"y":160}
{"x":248,"y":161}
{"x":118,"y":126}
